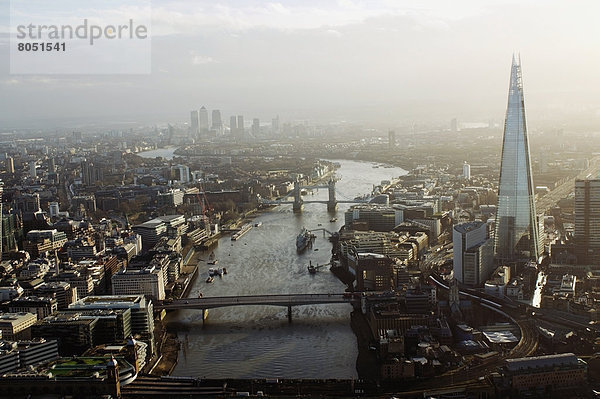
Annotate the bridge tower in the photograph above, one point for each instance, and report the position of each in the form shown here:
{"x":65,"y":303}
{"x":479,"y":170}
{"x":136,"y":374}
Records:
{"x":332,"y":202}
{"x":298,"y":202}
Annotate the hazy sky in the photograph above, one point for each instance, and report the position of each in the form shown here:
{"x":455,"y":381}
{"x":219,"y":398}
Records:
{"x":379,"y":60}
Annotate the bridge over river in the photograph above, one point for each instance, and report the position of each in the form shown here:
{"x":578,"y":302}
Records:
{"x":286,"y":300}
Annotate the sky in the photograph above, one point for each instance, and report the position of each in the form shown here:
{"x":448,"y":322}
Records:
{"x":378,"y":61}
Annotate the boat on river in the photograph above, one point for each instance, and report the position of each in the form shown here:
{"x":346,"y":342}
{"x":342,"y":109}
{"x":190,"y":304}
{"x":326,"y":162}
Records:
{"x":303,"y":240}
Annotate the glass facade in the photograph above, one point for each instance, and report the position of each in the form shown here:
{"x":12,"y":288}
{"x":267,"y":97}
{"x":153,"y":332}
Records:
{"x":516,"y":235}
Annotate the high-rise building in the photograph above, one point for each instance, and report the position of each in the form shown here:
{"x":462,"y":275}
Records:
{"x":32,"y":169}
{"x":233,"y":125}
{"x":240,"y":125}
{"x":587,"y":221}
{"x":516,"y":228}
{"x":275,"y":125}
{"x":217,"y":123}
{"x":473,"y":257}
{"x":195,"y":123}
{"x":454,"y":125}
{"x":255,"y":127}
{"x":51,"y":165}
{"x":466,"y":171}
{"x":392,"y":138}
{"x":203,"y":122}
{"x":10,"y":165}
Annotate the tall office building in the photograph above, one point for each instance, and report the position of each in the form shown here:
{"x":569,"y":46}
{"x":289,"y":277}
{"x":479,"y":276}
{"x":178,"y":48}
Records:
{"x":466,"y":171}
{"x":473,"y":253}
{"x":233,"y":125}
{"x":203,"y":122}
{"x":194,"y":123}
{"x":217,"y":123}
{"x":33,"y":169}
{"x":255,"y":127}
{"x":392,"y":138}
{"x":10,"y":165}
{"x":516,"y":228}
{"x":240,"y":124}
{"x":587,"y":221}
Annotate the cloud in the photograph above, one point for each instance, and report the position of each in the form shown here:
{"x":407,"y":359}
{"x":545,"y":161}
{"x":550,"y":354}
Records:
{"x":10,"y":82}
{"x":202,"y":60}
{"x":333,"y":32}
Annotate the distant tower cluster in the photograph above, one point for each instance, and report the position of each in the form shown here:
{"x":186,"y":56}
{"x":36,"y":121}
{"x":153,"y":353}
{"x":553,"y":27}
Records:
{"x":516,"y":228}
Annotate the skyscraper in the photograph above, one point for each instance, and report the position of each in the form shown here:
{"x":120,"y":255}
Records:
{"x":255,"y":127}
{"x":587,"y":221}
{"x":217,"y":123}
{"x":392,"y":138}
{"x":233,"y":125}
{"x":203,"y":122}
{"x":516,"y":228}
{"x":194,"y":123}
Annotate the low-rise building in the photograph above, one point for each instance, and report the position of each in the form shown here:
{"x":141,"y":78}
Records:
{"x":16,"y":326}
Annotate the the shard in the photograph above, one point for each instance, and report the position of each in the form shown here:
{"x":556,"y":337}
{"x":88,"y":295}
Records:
{"x":516,"y":235}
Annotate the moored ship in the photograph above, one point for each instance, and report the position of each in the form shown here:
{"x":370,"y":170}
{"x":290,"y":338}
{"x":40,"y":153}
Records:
{"x":303,"y":240}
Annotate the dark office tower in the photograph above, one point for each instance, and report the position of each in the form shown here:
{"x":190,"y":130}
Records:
{"x":516,"y":228}
{"x":203,"y":122}
{"x":255,"y":127}
{"x":587,"y":221}
{"x":10,"y":165}
{"x":217,"y":123}
{"x":194,"y":124}
{"x":392,"y":138}
{"x":232,"y":126}
{"x":51,"y":166}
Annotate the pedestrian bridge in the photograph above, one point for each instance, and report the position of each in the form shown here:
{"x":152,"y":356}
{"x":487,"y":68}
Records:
{"x":286,"y":300}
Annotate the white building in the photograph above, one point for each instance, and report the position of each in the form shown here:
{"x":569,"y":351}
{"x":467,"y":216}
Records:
{"x":148,"y":281}
{"x":466,"y":171}
{"x":473,"y":253}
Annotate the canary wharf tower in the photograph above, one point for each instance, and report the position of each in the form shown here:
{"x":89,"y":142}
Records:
{"x":516,"y":228}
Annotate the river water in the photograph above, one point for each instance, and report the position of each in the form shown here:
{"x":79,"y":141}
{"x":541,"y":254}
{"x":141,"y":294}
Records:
{"x":258,"y":341}
{"x":166,"y":153}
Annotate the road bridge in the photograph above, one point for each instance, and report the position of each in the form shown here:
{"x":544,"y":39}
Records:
{"x":285,"y":300}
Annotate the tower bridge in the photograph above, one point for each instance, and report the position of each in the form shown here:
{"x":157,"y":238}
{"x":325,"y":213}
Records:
{"x":298,"y":202}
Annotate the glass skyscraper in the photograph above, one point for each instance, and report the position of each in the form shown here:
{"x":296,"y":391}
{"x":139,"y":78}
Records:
{"x":516,"y":228}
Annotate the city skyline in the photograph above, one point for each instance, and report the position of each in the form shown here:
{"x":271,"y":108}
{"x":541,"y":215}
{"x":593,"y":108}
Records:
{"x":318,"y":64}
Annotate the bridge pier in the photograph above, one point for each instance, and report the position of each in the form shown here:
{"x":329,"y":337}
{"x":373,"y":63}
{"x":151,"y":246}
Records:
{"x":289,"y":314}
{"x":204,"y":315}
{"x":298,"y":203}
{"x":331,"y":202}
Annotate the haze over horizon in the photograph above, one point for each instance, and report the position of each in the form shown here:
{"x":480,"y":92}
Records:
{"x":378,"y":61}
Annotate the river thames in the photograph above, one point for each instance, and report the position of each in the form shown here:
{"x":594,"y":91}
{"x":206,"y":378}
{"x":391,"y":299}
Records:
{"x":258,"y":341}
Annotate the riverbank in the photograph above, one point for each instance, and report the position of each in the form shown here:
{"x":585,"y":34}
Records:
{"x":169,"y":344}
